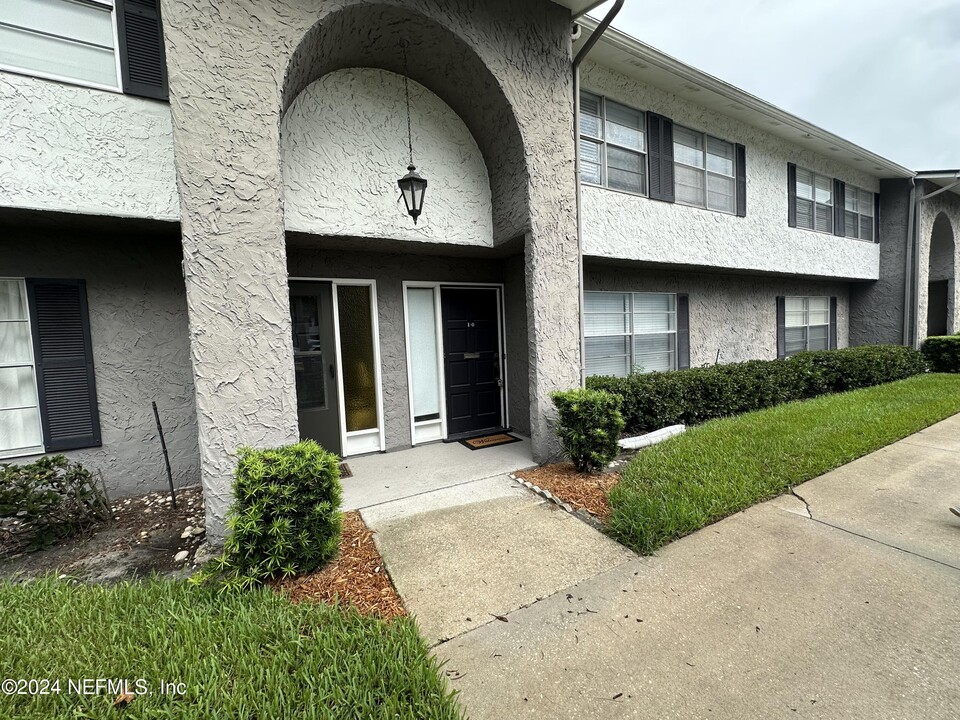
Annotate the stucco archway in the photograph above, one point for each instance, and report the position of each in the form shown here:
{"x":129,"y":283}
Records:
{"x":941,"y":280}
{"x":368,"y":35}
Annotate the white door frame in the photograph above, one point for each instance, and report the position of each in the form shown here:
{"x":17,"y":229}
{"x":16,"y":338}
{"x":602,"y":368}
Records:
{"x":438,"y":317}
{"x":364,"y":441}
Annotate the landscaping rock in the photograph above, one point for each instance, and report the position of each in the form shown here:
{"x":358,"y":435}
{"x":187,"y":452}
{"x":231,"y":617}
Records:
{"x":181,"y":556}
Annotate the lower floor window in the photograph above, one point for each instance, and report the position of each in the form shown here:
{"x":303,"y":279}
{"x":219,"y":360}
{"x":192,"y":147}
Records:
{"x":630,"y":332}
{"x":20,"y":432}
{"x":807,"y":324}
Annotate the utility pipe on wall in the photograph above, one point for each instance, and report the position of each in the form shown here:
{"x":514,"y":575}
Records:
{"x":586,"y":48}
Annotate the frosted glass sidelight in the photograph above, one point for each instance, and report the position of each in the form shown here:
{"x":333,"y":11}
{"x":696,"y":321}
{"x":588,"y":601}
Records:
{"x":358,"y":365}
{"x":424,"y":370}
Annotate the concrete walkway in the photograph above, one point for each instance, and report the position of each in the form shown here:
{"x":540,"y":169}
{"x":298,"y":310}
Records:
{"x":849,"y":609}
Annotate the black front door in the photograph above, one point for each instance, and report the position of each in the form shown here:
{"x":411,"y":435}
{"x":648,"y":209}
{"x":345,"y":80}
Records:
{"x":471,"y":356}
{"x":937,"y":307}
{"x":315,"y":363}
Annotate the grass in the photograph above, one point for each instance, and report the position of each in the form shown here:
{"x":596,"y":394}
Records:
{"x":251,"y":655}
{"x":726,"y":465}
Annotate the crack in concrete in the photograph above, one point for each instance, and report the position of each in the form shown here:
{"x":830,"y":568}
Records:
{"x":867,"y":537}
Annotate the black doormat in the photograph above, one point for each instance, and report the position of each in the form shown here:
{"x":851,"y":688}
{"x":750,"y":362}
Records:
{"x":485,"y":441}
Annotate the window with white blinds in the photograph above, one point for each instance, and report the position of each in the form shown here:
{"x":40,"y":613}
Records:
{"x":20,"y":432}
{"x":612,"y":145}
{"x":814,"y":201}
{"x":807,"y":324}
{"x":858,"y":213}
{"x":704,"y":170}
{"x":72,"y":40}
{"x":630,"y":332}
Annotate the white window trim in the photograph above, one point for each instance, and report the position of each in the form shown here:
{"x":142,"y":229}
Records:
{"x":436,"y":429}
{"x":806,"y":324}
{"x":632,"y":333}
{"x":707,"y":173}
{"x":372,"y":439}
{"x":831,"y":204}
{"x":66,"y":79}
{"x":33,"y":449}
{"x":603,"y":141}
{"x":859,"y":214}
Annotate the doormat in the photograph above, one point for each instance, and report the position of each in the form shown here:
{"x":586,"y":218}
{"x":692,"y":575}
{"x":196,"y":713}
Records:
{"x":345,"y":470}
{"x":485,"y":441}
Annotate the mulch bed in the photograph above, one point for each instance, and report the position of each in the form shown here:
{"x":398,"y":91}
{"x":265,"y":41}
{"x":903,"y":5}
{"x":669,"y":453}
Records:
{"x":356,"y":576}
{"x":582,"y":491}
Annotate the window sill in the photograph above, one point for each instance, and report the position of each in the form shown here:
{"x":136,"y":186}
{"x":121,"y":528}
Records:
{"x":615,"y":190}
{"x":706,"y":209}
{"x":49,"y":77}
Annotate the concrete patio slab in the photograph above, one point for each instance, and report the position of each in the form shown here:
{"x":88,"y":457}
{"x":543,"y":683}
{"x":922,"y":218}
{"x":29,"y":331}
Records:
{"x":384,"y":477}
{"x":458,"y":564}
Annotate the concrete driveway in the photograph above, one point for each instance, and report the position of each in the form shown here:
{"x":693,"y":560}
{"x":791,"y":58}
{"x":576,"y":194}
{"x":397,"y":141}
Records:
{"x":846,"y":606}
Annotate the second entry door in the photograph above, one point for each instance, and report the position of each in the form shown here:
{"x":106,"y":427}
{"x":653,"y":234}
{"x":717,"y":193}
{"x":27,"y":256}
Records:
{"x":472,"y":359}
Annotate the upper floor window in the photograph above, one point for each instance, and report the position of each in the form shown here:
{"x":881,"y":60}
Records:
{"x":858,"y":213}
{"x":814,"y":201}
{"x":612,"y":145}
{"x":704,"y":170}
{"x":107,"y":44}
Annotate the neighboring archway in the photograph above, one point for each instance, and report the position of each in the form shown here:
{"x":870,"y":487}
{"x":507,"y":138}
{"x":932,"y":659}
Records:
{"x":941,"y":282}
{"x":369,"y":35}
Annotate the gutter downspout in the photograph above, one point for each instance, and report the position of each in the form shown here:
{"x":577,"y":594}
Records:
{"x":586,"y":48}
{"x":908,"y":268}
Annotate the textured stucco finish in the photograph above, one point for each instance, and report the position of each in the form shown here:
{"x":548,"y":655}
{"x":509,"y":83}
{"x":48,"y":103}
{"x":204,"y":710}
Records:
{"x":76,"y":149}
{"x":876,"y":308}
{"x":344,"y":145}
{"x":735,"y":314}
{"x":138,"y":327}
{"x":940,"y":215}
{"x":632,"y":227}
{"x":503,"y":67}
{"x":390,"y":270}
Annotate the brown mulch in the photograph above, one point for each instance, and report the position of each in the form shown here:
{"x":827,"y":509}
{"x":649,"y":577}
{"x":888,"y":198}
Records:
{"x":582,"y":491}
{"x":356,"y":576}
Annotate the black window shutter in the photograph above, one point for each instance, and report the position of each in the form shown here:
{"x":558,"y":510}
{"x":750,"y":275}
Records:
{"x":876,"y":217}
{"x":839,"y":206}
{"x":660,"y":156}
{"x":741,"y":155}
{"x":833,"y":323}
{"x":792,"y":194}
{"x":683,"y":331}
{"x":781,"y":327}
{"x":143,"y":64}
{"x":64,"y":360}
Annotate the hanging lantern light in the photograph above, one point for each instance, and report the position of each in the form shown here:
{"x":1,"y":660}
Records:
{"x":413,"y":186}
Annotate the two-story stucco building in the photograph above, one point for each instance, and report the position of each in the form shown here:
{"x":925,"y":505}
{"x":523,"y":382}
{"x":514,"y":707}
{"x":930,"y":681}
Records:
{"x":199,"y":207}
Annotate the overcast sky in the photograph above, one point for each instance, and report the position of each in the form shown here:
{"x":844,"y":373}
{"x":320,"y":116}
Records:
{"x":884,"y":74}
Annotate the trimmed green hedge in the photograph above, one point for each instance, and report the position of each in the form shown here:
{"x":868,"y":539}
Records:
{"x":655,"y":400}
{"x":943,"y":353}
{"x":589,"y":424}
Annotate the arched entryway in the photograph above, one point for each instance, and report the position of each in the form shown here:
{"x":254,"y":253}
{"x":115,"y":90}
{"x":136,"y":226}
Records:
{"x":941,"y":288}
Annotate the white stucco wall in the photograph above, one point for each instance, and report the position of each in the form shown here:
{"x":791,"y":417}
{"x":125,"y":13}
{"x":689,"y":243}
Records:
{"x":75,"y":149}
{"x":344,"y":145}
{"x":627,"y":226}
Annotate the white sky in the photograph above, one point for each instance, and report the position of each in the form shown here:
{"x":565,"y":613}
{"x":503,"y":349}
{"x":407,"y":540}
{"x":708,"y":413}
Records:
{"x":884,"y":74}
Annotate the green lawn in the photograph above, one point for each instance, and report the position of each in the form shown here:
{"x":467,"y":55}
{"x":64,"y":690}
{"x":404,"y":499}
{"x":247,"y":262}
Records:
{"x":726,"y":465}
{"x":250,"y":655}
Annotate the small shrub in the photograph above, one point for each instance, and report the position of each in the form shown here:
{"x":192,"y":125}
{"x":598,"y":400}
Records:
{"x":943,"y":353}
{"x":589,"y":425}
{"x":285,"y":518}
{"x":693,"y":396}
{"x":48,"y":500}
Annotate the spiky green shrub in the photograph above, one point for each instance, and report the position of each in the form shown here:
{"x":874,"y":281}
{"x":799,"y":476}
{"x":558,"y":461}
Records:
{"x":589,"y":424}
{"x":48,"y":500}
{"x":285,"y":518}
